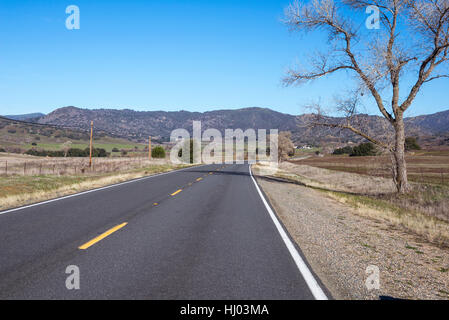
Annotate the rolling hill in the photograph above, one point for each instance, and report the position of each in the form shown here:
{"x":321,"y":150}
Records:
{"x":18,"y":136}
{"x":137,"y":126}
{"x":25,"y":117}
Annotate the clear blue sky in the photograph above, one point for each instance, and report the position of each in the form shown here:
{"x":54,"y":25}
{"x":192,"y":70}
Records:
{"x":195,"y":55}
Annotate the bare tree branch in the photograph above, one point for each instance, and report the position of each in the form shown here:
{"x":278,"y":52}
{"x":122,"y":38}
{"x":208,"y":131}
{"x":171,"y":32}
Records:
{"x":437,"y":77}
{"x":380,"y":64}
{"x":354,"y":130}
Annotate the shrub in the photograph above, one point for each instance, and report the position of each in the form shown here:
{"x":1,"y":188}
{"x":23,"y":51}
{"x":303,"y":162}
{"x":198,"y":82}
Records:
{"x":97,"y":152}
{"x":411,"y":144}
{"x":364,"y":149}
{"x":74,"y":152}
{"x":344,"y":150}
{"x":103,"y":153}
{"x":158,"y":152}
{"x":44,"y":153}
{"x":34,"y":144}
{"x":115,"y":150}
{"x":2,"y":150}
{"x":286,"y":147}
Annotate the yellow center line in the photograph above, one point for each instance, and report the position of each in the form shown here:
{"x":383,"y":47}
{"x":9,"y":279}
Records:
{"x":199,"y":179}
{"x":176,"y":192}
{"x":102,"y":236}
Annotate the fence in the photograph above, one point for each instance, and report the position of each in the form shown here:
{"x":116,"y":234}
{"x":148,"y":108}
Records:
{"x":72,"y":166}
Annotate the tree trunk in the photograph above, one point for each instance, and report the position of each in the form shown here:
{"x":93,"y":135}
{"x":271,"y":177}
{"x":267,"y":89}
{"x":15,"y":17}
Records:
{"x":400,"y":168}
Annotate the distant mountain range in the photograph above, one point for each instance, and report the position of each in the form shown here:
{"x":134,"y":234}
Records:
{"x":137,"y":126}
{"x":26,"y":117}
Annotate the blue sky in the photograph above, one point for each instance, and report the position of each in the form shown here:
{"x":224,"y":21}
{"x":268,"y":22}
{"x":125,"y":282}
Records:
{"x":168,"y":55}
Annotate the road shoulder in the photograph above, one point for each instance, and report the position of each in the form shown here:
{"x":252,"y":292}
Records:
{"x":340,"y":245}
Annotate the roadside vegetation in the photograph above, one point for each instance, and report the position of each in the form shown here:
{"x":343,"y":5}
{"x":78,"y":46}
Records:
{"x":158,"y":152}
{"x":72,"y":152}
{"x":423,"y":211}
{"x":19,"y":190}
{"x":40,"y":162}
{"x":362,"y":150}
{"x":423,"y":166}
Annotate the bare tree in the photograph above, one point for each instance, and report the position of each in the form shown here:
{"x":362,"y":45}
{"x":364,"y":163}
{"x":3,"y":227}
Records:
{"x":66,"y":147}
{"x":285,"y":145}
{"x":413,"y":40}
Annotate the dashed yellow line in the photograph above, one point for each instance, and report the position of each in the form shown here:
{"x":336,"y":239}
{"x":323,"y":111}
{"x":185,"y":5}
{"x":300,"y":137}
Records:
{"x":199,"y":179}
{"x":176,"y":192}
{"x":102,"y":236}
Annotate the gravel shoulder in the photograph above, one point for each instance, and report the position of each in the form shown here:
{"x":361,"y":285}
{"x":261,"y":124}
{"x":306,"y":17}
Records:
{"x":340,"y":244}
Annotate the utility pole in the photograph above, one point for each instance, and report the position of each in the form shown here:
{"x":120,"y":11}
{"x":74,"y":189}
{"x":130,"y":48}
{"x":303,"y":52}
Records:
{"x":149,"y":148}
{"x":91,"y":136}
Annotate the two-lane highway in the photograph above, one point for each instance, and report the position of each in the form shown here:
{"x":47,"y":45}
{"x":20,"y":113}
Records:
{"x":204,"y":232}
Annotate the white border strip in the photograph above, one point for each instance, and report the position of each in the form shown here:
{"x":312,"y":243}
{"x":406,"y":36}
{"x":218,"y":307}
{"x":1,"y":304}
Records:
{"x":97,"y":189}
{"x":307,"y":275}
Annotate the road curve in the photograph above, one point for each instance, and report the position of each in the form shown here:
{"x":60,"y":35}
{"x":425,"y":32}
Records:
{"x":200,"y":233}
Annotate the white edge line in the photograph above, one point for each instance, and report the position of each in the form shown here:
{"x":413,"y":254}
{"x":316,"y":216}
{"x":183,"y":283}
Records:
{"x":95,"y":190}
{"x":306,"y":273}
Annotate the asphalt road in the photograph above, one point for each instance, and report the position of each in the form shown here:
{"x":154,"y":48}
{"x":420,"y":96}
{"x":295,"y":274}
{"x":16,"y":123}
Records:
{"x":200,"y":233}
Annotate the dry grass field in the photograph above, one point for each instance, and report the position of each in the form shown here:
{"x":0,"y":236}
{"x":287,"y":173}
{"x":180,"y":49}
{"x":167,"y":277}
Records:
{"x":33,"y":179}
{"x":361,"y":183}
{"x":426,"y":166}
{"x":19,"y":164}
{"x":428,"y":172}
